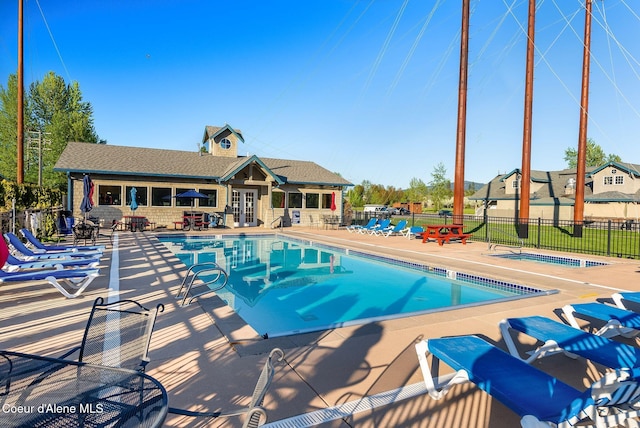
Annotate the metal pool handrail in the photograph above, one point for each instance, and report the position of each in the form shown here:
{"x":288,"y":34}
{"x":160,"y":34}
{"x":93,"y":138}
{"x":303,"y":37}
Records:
{"x":496,"y":245}
{"x":194,"y":277}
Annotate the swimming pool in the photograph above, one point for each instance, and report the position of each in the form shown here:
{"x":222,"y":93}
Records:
{"x":554,"y":260}
{"x":282,"y":286}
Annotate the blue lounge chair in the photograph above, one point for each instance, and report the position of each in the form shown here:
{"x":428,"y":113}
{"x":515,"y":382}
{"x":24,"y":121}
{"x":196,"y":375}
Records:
{"x":558,"y":337}
{"x":617,"y":322}
{"x":381,"y":225}
{"x":76,"y":279}
{"x":29,"y":254}
{"x":40,"y":247}
{"x":413,"y":232}
{"x":632,"y":297}
{"x":391,"y":230}
{"x":356,"y":227}
{"x":537,"y":397}
{"x":15,"y":265}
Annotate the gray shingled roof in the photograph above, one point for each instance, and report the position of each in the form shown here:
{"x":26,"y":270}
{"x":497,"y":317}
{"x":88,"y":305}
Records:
{"x":122,"y":160}
{"x":553,"y":187}
{"x":553,"y":190}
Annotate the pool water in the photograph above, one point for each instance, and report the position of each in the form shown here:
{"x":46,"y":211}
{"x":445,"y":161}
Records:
{"x":549,"y":259}
{"x":283,"y":286}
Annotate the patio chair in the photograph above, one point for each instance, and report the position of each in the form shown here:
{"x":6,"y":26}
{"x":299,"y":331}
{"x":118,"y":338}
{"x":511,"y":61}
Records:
{"x":391,"y":230}
{"x":558,"y":337}
{"x":29,"y":254}
{"x":537,"y":397}
{"x":117,"y":334}
{"x":85,"y":230}
{"x":254,"y":414}
{"x":39,"y":247}
{"x":617,"y":322}
{"x":357,"y":227}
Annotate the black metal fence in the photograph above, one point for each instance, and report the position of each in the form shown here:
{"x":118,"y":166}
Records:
{"x":604,"y":238}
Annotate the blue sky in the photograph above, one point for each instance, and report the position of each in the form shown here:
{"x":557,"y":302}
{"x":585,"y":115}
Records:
{"x":367,"y":89}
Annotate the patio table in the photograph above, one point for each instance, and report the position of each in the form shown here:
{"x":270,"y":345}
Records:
{"x":42,"y":391}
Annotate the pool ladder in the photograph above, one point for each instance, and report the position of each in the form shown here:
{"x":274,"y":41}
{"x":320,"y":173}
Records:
{"x":197,"y":276}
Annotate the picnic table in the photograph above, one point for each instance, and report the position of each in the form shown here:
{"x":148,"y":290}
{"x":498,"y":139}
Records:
{"x":444,"y":233}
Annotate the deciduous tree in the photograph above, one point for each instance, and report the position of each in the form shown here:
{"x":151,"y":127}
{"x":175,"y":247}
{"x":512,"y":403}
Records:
{"x":595,"y":155}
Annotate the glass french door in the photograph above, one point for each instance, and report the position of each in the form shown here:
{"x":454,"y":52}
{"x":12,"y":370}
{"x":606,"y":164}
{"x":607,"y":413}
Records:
{"x":243,"y":205}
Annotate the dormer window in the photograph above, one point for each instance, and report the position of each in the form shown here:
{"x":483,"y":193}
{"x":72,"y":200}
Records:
{"x":225,"y":143}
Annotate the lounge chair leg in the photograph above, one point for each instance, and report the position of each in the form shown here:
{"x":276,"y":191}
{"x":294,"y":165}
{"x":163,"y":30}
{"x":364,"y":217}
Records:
{"x":54,"y":281}
{"x":440,"y":387}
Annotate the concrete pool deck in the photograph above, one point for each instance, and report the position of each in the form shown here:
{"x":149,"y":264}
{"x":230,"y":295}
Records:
{"x":204,"y":369}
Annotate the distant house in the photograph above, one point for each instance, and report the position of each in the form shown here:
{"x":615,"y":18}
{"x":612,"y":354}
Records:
{"x":246,"y":190}
{"x":612,"y":191}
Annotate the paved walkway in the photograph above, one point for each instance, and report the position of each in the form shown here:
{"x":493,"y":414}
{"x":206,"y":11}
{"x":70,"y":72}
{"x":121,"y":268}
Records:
{"x":204,"y":369}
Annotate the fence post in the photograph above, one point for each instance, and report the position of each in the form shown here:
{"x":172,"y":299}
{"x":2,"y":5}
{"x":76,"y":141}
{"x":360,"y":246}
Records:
{"x":539,"y":231}
{"x":485,"y":219}
{"x":609,"y":238}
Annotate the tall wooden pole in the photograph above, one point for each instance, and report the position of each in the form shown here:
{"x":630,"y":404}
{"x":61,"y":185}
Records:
{"x":458,"y":182}
{"x":578,"y":209}
{"x":525,"y":179}
{"x":20,"y":107}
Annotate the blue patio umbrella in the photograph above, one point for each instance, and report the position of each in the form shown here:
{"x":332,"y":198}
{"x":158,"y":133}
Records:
{"x":87,"y":194}
{"x":134,"y":202}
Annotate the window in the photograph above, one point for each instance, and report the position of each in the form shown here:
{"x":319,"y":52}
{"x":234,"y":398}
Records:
{"x":277,"y":200}
{"x":619,"y":179}
{"x":213,"y":198}
{"x":142,"y":195}
{"x":295,"y":200}
{"x":161,"y":196}
{"x":225,"y":143}
{"x":313,"y":200}
{"x":182,"y":202}
{"x":110,"y":195}
{"x":608,"y":180}
{"x":326,"y":201}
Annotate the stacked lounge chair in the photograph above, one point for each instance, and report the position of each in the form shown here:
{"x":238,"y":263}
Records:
{"x":69,"y":275}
